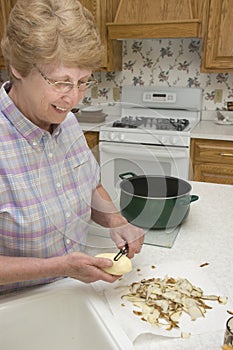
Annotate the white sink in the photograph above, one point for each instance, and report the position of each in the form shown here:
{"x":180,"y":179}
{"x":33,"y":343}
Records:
{"x":65,"y":315}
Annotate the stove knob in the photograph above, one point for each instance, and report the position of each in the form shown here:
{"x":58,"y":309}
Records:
{"x":173,"y":140}
{"x":103,"y":135}
{"x":107,"y":135}
{"x":121,"y":137}
{"x":163,"y":140}
{"x":112,"y":136}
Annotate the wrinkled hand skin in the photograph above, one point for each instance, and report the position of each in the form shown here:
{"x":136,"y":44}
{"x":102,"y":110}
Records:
{"x":88,"y":269}
{"x":128,"y":234}
{"x":106,"y":214}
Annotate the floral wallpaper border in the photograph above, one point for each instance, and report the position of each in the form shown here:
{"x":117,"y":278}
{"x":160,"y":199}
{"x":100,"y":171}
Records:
{"x":162,"y":62}
{"x":166,"y":62}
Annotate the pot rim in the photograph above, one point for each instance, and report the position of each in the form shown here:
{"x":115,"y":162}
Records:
{"x":161,"y":198}
{"x":130,"y":179}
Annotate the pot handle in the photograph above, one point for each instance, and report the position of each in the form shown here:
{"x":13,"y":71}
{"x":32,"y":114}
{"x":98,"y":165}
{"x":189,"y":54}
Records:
{"x":186,"y":201}
{"x":194,"y":198}
{"x":126,"y":175}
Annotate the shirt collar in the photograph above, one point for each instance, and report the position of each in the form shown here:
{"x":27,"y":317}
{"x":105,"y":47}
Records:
{"x":31,"y":132}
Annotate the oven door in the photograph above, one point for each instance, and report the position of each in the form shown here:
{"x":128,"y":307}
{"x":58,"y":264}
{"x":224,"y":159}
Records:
{"x":117,"y":158}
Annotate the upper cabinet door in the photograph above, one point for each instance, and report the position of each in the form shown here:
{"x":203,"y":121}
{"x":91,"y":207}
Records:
{"x":147,"y":19}
{"x":217,"y":53}
{"x":104,"y":11}
{"x":5,"y":8}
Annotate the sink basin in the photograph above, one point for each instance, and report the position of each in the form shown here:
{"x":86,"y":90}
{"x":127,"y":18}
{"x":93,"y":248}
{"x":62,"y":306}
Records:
{"x":63,"y":315}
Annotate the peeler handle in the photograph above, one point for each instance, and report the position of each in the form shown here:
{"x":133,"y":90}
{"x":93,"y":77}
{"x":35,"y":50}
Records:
{"x":123,"y":251}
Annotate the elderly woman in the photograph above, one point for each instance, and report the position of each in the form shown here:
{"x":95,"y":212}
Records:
{"x":49,"y":181}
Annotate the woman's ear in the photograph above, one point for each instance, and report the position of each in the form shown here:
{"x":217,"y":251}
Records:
{"x":15,"y":73}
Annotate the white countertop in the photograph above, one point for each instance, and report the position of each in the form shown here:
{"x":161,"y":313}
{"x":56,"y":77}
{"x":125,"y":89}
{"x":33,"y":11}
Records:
{"x":206,"y":236}
{"x":208,"y":129}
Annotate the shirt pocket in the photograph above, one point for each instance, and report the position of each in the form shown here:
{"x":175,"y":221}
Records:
{"x":77,"y":182}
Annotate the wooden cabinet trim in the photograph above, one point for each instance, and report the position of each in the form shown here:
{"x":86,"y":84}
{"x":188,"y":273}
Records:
{"x":163,"y":29}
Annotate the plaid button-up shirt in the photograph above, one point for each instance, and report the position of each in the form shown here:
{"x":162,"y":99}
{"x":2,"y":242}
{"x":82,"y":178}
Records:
{"x":46,"y":184}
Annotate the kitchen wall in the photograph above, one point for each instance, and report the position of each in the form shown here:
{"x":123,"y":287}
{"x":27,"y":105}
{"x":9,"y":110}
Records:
{"x":163,"y":62}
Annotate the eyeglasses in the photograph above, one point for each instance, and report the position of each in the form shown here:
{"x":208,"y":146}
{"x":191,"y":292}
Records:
{"x":66,"y":86}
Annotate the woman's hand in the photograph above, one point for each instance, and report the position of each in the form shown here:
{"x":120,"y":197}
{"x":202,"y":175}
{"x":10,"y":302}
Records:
{"x":128,"y":234}
{"x":75,"y":265}
{"x":105,"y":213}
{"x":87,"y":269}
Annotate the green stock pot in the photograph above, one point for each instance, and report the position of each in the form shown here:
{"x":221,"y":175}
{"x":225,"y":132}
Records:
{"x":155,"y":202}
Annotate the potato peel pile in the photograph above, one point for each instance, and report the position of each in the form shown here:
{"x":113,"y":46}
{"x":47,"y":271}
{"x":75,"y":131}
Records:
{"x":161,"y":302}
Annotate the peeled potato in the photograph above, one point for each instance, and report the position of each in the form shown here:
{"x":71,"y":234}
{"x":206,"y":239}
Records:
{"x":119,"y":267}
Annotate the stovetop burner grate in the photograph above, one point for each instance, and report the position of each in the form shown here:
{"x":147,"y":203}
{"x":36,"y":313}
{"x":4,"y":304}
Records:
{"x":152,"y":123}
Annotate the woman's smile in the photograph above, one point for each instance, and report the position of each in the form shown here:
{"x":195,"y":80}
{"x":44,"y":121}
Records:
{"x":61,"y":109}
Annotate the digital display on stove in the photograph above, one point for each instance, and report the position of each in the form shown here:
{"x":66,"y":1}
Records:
{"x":164,"y":97}
{"x":159,"y":95}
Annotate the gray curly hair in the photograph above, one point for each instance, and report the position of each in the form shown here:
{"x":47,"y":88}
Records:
{"x":51,"y":32}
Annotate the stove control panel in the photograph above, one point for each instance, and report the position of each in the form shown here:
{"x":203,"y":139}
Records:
{"x":164,"y":97}
{"x":149,"y":138}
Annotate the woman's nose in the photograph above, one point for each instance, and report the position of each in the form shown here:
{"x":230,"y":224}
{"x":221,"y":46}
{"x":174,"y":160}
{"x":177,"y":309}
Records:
{"x":76,"y":95}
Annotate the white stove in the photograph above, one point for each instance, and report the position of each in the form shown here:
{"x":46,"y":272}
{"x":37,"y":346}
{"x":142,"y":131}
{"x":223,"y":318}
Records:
{"x":152,"y":134}
{"x":155,"y":115}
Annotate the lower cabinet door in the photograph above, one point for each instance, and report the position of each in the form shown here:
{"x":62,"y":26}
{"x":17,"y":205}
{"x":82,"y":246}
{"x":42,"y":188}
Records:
{"x":216,"y":173}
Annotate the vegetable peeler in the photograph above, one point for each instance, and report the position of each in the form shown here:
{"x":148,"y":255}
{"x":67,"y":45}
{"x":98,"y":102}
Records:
{"x":123,"y":251}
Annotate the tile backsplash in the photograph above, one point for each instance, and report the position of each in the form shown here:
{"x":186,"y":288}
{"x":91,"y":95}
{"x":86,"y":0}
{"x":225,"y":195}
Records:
{"x":162,"y":62}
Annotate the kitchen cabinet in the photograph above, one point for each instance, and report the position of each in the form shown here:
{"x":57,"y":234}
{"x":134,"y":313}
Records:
{"x":5,"y":8}
{"x":212,"y":161}
{"x":104,"y":11}
{"x":157,"y":19}
{"x":92,"y":138}
{"x":217,"y":51}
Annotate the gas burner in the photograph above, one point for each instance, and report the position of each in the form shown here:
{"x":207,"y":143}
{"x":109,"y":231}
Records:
{"x":125,"y":122}
{"x":179,"y":124}
{"x":129,"y":122}
{"x":151,"y":123}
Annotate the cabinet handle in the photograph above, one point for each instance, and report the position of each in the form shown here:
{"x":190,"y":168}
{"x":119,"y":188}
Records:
{"x":226,"y":154}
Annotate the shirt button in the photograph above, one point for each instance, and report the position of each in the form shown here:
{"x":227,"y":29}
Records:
{"x":68,"y":214}
{"x":34,"y":143}
{"x":50,"y":155}
{"x":68,"y":241}
{"x":58,"y":185}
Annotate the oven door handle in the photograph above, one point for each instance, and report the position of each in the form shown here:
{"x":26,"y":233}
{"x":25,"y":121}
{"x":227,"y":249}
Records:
{"x":157,"y":152}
